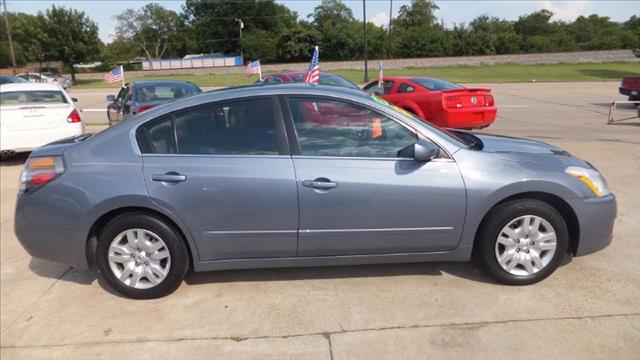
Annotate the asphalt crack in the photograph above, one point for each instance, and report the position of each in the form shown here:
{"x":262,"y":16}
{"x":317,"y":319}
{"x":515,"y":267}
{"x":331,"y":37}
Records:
{"x":327,"y":334}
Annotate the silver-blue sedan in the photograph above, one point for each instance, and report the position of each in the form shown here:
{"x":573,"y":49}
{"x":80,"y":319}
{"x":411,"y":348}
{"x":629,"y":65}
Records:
{"x":301,"y":175}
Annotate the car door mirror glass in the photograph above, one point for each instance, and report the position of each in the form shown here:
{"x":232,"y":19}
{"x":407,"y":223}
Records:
{"x":74,"y":99}
{"x":423,"y":150}
{"x":111,"y":98}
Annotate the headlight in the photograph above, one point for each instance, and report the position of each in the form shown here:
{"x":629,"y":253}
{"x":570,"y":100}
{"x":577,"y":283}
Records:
{"x":592,"y":178}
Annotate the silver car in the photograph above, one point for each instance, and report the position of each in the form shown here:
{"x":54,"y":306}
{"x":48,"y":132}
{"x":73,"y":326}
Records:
{"x":300,"y":175}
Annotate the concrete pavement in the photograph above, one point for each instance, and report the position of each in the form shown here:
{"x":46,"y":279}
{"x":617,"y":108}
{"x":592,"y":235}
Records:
{"x":590,"y":308}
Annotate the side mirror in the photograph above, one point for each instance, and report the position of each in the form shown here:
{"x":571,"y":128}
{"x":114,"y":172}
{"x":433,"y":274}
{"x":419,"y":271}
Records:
{"x":424,"y":150}
{"x":74,"y":99}
{"x":111,"y":98}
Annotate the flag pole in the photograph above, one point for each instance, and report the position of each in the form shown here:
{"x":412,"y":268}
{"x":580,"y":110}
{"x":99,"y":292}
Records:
{"x":122,"y":72}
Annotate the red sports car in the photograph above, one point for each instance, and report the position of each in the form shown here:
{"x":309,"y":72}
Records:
{"x":440,"y":102}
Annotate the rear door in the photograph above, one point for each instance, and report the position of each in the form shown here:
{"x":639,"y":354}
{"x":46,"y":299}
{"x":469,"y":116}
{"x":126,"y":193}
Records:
{"x":34,"y":109}
{"x":224,"y":168}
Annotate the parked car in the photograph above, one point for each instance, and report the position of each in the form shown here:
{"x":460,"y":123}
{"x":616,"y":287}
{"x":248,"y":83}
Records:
{"x":245,"y":178}
{"x":11,"y":79}
{"x":136,"y":97}
{"x":298,"y":77}
{"x":630,"y":86}
{"x":32,"y":115}
{"x":45,"y":78}
{"x":439,"y":102}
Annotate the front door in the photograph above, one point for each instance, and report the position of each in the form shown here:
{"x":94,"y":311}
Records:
{"x":225,"y":171}
{"x":358,"y":195}
{"x":114,"y":109}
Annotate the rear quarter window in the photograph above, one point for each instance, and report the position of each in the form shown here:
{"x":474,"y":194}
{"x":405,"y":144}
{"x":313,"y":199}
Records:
{"x":32,"y":97}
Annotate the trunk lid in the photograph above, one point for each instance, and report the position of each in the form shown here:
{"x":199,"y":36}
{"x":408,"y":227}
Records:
{"x":467,"y":97}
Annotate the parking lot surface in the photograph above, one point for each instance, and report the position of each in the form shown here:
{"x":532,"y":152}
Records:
{"x":590,"y":308}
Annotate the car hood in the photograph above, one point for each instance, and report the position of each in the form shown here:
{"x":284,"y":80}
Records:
{"x":525,"y":150}
{"x":506,"y":144}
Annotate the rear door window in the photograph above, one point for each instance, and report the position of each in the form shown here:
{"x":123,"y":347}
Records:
{"x":245,"y":127}
{"x":32,"y":97}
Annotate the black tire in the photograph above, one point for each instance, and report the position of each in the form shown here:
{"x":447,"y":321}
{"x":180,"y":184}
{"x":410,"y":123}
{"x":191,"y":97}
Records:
{"x":174,"y":244}
{"x":503,"y":214}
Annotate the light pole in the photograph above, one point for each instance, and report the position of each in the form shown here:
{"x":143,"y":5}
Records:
{"x":6,"y":21}
{"x":240,"y":27}
{"x":389,"y":27}
{"x":364,"y":21}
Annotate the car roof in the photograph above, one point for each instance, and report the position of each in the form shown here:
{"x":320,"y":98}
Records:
{"x":29,"y":87}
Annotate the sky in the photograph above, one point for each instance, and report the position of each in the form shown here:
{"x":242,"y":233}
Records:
{"x":103,"y":11}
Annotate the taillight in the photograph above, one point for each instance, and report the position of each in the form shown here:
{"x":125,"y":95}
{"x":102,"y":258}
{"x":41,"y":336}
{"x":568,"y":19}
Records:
{"x":488,"y":100}
{"x":144,"y":107}
{"x":453,"y":102}
{"x":74,"y":117}
{"x":39,"y":171}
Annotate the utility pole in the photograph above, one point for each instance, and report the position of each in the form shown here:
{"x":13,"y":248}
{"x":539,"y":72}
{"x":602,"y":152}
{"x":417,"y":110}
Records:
{"x":6,"y":21}
{"x":240,"y":27}
{"x":364,"y":21}
{"x":389,"y":27}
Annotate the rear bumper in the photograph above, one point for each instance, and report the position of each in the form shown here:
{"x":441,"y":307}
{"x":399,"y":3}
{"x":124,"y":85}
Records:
{"x":46,"y":237}
{"x":629,"y":92}
{"x":468,"y":118}
{"x":596,"y":217}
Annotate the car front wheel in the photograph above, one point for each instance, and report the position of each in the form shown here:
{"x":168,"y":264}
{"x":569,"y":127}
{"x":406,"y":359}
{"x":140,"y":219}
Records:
{"x":140,"y":256}
{"x":523,"y":241}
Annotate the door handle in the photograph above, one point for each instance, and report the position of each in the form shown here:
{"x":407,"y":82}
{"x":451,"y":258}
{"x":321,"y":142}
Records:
{"x":320,"y":183}
{"x":168,"y":177}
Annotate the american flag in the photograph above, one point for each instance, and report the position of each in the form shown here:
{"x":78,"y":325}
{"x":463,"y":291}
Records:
{"x":254,"y":68}
{"x":313,"y":74}
{"x":380,"y":76}
{"x":115,"y":75}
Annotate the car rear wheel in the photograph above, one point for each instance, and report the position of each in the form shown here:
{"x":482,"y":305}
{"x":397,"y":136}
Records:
{"x":140,"y":256}
{"x":523,"y":241}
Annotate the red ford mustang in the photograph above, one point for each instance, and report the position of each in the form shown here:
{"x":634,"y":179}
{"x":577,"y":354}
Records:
{"x":438,"y":101}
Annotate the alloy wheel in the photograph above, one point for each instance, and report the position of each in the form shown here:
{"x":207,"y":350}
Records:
{"x":139,"y":258}
{"x":525,"y":245}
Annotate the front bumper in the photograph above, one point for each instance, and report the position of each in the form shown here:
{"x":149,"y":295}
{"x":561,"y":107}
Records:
{"x":596,"y":217}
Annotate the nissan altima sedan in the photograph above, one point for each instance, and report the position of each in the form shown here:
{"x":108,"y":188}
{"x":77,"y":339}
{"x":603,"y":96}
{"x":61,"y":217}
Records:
{"x":301,"y":175}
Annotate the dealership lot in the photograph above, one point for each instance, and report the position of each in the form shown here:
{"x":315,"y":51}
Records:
{"x":589,"y":308}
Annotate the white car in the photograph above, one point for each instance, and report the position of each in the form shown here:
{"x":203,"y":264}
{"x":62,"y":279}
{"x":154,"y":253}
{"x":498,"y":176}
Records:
{"x":32,"y":115}
{"x":45,"y":77}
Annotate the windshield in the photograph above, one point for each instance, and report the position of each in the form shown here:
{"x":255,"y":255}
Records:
{"x":330,"y":79}
{"x":460,"y":141}
{"x":154,"y":92}
{"x":32,"y":97}
{"x":435,"y":84}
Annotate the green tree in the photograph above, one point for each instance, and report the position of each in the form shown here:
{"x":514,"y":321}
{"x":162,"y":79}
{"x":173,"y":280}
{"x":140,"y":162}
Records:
{"x":341,"y":39}
{"x":296,"y":44}
{"x":30,"y":40}
{"x":72,"y":37}
{"x":599,"y":32}
{"x":540,"y":34}
{"x":495,"y":36}
{"x":150,"y":28}
{"x":214,"y":26}
{"x":416,"y":31}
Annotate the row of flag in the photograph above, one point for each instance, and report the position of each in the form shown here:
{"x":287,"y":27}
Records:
{"x":313,"y":72}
